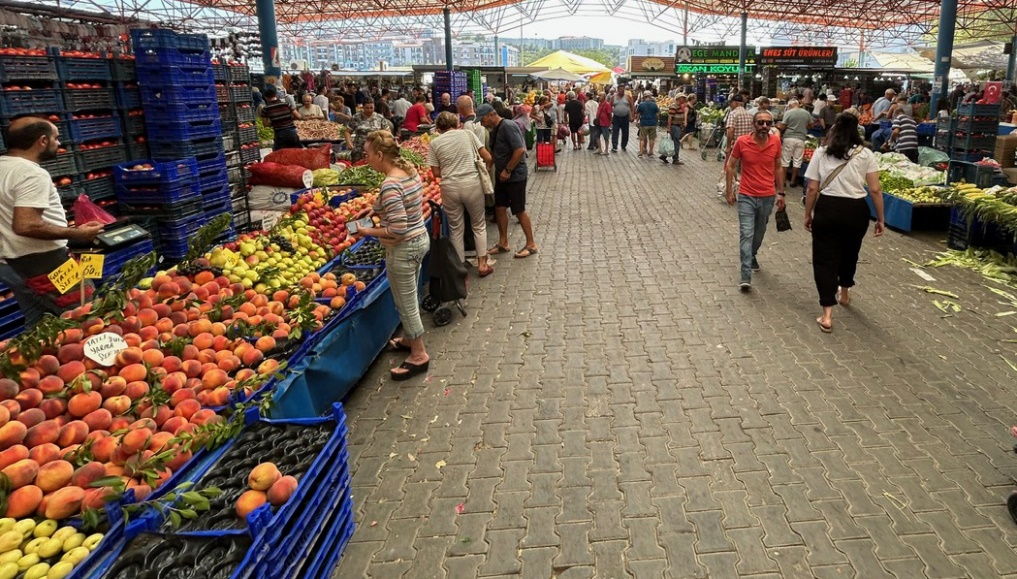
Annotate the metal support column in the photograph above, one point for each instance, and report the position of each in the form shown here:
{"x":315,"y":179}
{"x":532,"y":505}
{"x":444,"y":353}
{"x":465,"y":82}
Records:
{"x":741,"y":51}
{"x":497,"y":52}
{"x":448,"y":37}
{"x":1011,"y":63}
{"x":269,"y":39}
{"x":944,"y":48}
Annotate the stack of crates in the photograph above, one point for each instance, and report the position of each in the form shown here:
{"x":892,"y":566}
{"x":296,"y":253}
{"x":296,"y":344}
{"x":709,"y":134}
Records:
{"x":236,"y":112}
{"x":453,"y":82}
{"x":132,"y":113}
{"x":163,"y":198}
{"x":95,"y":124}
{"x":178,"y":92}
{"x":974,"y":131}
{"x":475,"y":83}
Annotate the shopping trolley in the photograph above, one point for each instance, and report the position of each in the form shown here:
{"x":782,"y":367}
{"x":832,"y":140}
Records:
{"x":447,"y":272}
{"x":712,"y":135}
{"x":546,"y":144}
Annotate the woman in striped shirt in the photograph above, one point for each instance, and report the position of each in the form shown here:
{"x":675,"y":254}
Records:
{"x":402,"y":231}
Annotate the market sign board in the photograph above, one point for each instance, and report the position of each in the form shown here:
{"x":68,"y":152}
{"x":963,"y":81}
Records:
{"x":817,"y":56}
{"x":713,"y":55}
{"x":650,"y":64}
{"x":709,"y":68}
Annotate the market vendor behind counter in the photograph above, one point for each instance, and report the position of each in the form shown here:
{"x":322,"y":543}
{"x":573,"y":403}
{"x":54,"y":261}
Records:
{"x":33,"y":225}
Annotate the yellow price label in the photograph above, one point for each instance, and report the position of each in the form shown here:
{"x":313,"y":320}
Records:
{"x":66,"y":277}
{"x":91,"y":265}
{"x":231,"y":258}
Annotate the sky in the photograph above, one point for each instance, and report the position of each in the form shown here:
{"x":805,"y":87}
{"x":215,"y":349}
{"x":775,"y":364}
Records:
{"x":612,"y":30}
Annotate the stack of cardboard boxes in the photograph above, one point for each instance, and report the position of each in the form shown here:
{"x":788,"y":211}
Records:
{"x":1006,"y":154}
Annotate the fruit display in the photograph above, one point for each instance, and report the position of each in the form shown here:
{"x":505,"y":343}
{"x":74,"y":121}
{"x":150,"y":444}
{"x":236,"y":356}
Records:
{"x":914,"y":195}
{"x":320,"y":130}
{"x":42,"y":550}
{"x":370,"y":253}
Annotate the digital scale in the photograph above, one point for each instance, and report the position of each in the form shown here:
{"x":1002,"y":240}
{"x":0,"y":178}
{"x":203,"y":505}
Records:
{"x":121,"y":236}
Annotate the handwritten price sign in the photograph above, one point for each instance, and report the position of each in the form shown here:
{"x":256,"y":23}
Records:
{"x":91,"y":265}
{"x":65,"y":277}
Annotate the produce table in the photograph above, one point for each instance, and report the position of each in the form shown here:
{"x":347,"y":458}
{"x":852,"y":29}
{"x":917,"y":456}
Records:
{"x":904,"y":216}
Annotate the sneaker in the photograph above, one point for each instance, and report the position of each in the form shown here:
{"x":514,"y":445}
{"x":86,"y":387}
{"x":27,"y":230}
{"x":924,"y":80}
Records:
{"x":614,"y":150}
{"x":745,"y":286}
{"x":624,"y":150}
{"x":755,"y":265}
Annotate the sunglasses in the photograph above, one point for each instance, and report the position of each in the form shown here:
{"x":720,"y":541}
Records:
{"x":764,"y":123}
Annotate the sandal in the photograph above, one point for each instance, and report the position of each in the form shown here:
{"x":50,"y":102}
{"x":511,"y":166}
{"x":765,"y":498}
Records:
{"x":525,"y":252}
{"x":486,"y":272}
{"x":844,"y":302}
{"x":825,"y":329}
{"x":399,"y":345}
{"x":499,"y":248}
{"x":411,"y":370}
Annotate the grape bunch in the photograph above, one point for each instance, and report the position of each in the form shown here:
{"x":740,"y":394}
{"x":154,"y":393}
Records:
{"x":193,"y":268}
{"x":283,"y":243}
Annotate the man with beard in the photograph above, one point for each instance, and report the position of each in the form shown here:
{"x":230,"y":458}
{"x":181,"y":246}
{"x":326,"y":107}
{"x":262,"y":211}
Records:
{"x":33,"y":225}
{"x":761,"y":179}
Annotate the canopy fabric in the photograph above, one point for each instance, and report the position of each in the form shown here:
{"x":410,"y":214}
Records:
{"x":570,"y":62}
{"x":602,"y":78}
{"x":985,"y":55}
{"x":559,"y":74}
{"x":916,"y":65}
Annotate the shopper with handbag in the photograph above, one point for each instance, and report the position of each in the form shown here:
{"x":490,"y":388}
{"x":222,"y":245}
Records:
{"x":836,"y":212}
{"x":459,"y":159}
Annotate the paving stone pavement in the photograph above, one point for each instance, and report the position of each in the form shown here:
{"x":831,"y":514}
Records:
{"x":613,"y":407}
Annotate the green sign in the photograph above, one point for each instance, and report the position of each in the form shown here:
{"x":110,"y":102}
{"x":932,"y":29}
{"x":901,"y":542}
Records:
{"x":709,"y":68}
{"x":713,"y":55}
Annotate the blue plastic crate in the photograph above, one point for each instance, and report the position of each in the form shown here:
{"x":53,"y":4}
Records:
{"x":156,"y":195}
{"x":976,"y":110}
{"x":177,"y":95}
{"x":102,"y":158}
{"x":31,"y":102}
{"x":201,"y":149}
{"x":173,"y":113}
{"x":92,"y":129}
{"x":215,"y":176}
{"x":185,"y":130}
{"x":332,"y":542}
{"x":170,"y":174}
{"x":211,"y":161}
{"x":134,"y":125}
{"x":216,"y":201}
{"x":14,"y":68}
{"x":123,"y":70}
{"x":128,"y":97}
{"x":159,"y":75}
{"x":114,"y":261}
{"x":89,"y":99}
{"x":180,"y":232}
{"x":12,"y":324}
{"x":99,"y":189}
{"x":160,"y":39}
{"x":74,"y":69}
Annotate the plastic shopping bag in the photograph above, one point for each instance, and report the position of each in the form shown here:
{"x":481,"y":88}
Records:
{"x":584,"y":130}
{"x":665,"y":147}
{"x":563,"y":132}
{"x":85,"y":211}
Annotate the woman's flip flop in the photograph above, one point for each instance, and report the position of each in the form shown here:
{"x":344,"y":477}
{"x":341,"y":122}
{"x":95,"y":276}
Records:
{"x":498,"y":249}
{"x":825,"y":329}
{"x":411,"y":370}
{"x":525,"y":252}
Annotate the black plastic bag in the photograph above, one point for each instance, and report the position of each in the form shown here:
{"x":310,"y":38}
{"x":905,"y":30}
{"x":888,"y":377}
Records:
{"x":783,"y":223}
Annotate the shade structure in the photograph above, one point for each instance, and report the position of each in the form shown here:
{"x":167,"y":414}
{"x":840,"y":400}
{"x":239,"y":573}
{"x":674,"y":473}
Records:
{"x":573,"y":63}
{"x":985,"y":55}
{"x":602,"y":78}
{"x":558,"y":74}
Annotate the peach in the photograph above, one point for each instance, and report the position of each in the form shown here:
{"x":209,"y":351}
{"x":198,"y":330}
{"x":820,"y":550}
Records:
{"x":134,"y":464}
{"x":202,"y":416}
{"x":229,"y":364}
{"x":5,"y":415}
{"x":133,"y":373}
{"x":12,"y":433}
{"x":42,"y":433}
{"x":214,"y":378}
{"x":263,"y":476}
{"x":219,"y":397}
{"x":117,"y":405}
{"x":187,"y":408}
{"x":67,"y":453}
{"x":136,"y":440}
{"x":71,"y":353}
{"x":8,"y":389}
{"x":73,"y":433}
{"x":13,"y":408}
{"x":142,"y":492}
{"x":113,"y":386}
{"x":87,"y":474}
{"x":53,"y":408}
{"x":103,"y":449}
{"x":178,"y":461}
{"x":171,"y":364}
{"x":31,"y":417}
{"x":99,"y":419}
{"x":191,"y":367}
{"x":173,"y":425}
{"x":22,"y":472}
{"x":143,"y":422}
{"x":81,"y":405}
{"x":249,"y":501}
{"x":269,"y":367}
{"x":48,"y":364}
{"x":45,"y":453}
{"x":159,"y":441}
{"x":13,"y":455}
{"x":281,"y":491}
{"x":136,"y":390}
{"x":71,"y":370}
{"x":121,"y":423}
{"x":29,"y":398}
{"x":23,"y":502}
{"x":51,"y":385}
{"x":119,"y":457}
{"x":30,"y":378}
{"x":64,"y":503}
{"x":129,"y":356}
{"x":54,"y":475}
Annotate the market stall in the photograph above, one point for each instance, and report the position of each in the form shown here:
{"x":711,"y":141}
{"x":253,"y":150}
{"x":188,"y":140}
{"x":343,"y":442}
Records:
{"x":178,"y":420}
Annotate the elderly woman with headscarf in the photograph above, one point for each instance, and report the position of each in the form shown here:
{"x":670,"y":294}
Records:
{"x":574,"y":116}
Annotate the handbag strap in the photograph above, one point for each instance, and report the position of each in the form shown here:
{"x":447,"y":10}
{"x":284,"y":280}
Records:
{"x":832,"y":176}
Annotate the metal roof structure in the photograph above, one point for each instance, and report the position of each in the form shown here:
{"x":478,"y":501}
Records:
{"x":850,"y":22}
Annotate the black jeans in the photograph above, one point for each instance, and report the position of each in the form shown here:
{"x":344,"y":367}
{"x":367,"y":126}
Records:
{"x":621,"y":126}
{"x":911,"y":154}
{"x":838,"y":227}
{"x":287,"y":139}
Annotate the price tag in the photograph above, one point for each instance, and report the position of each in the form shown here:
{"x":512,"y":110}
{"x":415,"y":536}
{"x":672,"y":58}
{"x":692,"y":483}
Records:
{"x":103,"y":348}
{"x":65,"y":277}
{"x":231,"y":258}
{"x":91,"y":265}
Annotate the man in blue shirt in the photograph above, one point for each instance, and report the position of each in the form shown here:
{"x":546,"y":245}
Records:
{"x":649,"y":113}
{"x":880,"y":112}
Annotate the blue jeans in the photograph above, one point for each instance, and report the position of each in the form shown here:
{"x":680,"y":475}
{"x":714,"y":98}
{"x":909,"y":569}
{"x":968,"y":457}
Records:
{"x":753,"y":215}
{"x":676,"y":136}
{"x":621,"y":127}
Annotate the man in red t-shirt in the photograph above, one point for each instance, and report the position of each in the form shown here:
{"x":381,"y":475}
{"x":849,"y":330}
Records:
{"x":761,"y":180}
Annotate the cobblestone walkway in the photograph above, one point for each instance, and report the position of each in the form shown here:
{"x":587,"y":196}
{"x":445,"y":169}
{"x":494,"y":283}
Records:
{"x":613,"y":407}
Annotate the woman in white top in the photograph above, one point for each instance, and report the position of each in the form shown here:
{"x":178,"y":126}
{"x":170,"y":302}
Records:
{"x":310,"y":110}
{"x":836,"y":212}
{"x":452,"y":159}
